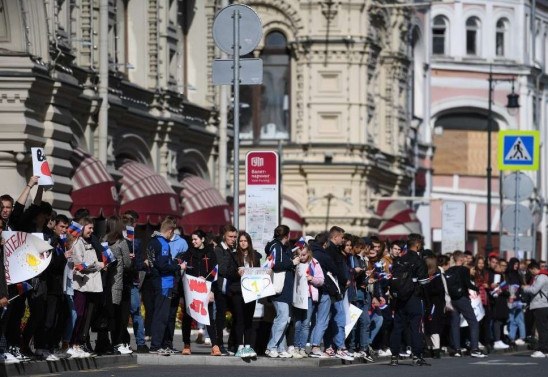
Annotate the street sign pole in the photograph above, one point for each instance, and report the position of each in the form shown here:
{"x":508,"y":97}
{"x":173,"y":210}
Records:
{"x":236,"y":70}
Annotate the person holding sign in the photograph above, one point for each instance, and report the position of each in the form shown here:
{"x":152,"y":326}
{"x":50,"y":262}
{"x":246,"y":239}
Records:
{"x":310,"y":274}
{"x":200,"y":261}
{"x":246,"y":257}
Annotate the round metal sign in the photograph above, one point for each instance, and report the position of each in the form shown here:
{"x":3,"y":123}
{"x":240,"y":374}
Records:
{"x":517,"y":186}
{"x":516,"y":217}
{"x":251,"y":29}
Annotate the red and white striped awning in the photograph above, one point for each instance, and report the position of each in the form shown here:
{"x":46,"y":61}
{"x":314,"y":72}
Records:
{"x":397,"y":220}
{"x":203,"y":206}
{"x":148,"y":193}
{"x":92,"y":186}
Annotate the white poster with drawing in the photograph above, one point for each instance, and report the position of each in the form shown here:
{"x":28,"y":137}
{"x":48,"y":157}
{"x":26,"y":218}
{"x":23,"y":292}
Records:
{"x":25,"y":256}
{"x":256,"y":284}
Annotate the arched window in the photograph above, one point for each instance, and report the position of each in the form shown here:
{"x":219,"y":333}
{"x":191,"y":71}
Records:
{"x":501,"y":37}
{"x":439,"y":35}
{"x":472,"y":36}
{"x":265,"y":108}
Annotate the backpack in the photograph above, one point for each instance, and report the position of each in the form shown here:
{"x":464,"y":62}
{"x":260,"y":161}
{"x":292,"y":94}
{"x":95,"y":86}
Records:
{"x":455,"y":288}
{"x":402,"y":285}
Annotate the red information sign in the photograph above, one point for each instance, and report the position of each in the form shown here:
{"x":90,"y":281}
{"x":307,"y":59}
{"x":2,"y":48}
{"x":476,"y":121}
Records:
{"x":262,"y":168}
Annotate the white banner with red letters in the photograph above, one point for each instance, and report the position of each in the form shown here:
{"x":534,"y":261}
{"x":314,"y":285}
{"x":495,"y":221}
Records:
{"x":196,"y":298}
{"x":25,"y":256}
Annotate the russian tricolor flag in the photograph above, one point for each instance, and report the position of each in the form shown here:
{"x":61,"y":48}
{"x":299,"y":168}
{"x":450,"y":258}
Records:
{"x":80,"y":266}
{"x":129,"y":233}
{"x":310,"y":270}
{"x":63,"y":239}
{"x":75,"y":229}
{"x":270,"y":260}
{"x":300,"y":244}
{"x":107,"y":255}
{"x":23,"y":287}
{"x":214,"y":274}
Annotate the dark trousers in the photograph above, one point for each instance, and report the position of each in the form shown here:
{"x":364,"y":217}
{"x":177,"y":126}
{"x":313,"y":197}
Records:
{"x":54,"y":308}
{"x":463,"y":306}
{"x":541,"y":322}
{"x":121,"y":318}
{"x":211,"y":329}
{"x":221,"y":302}
{"x":160,"y":318}
{"x":147,"y":295}
{"x":170,"y":329}
{"x":37,"y":309}
{"x":407,"y":313}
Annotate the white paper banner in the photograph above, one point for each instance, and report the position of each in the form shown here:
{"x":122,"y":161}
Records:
{"x":256,"y":283}
{"x":477,"y":306}
{"x":300,"y":287}
{"x":352,"y":315}
{"x":40,"y":167}
{"x":24,"y":256}
{"x":196,"y":300}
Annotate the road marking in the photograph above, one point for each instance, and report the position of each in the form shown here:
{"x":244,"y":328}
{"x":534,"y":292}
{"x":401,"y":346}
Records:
{"x":501,"y":362}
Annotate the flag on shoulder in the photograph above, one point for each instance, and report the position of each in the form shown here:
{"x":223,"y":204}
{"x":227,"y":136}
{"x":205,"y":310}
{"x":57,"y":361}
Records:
{"x":107,"y":255}
{"x":75,"y":229}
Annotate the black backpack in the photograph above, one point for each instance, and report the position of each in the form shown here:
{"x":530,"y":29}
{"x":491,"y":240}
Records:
{"x":455,"y":288}
{"x":402,"y":286}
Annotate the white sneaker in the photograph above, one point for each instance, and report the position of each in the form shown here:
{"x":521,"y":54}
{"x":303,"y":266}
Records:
{"x":72,"y":352}
{"x":385,"y":353}
{"x":285,"y":355}
{"x":122,"y":349}
{"x":207,"y":341}
{"x":538,"y":354}
{"x":500,"y":345}
{"x":8,"y":358}
{"x":50,"y":357}
{"x":80,"y":353}
{"x":271,"y":353}
{"x":296,"y":354}
{"x":519,"y":342}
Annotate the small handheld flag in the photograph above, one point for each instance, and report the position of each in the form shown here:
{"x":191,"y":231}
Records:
{"x":129,"y":233}
{"x":300,"y":244}
{"x":23,"y":287}
{"x":310,"y":270}
{"x":80,"y":266}
{"x":75,"y":229}
{"x":63,"y":239}
{"x":107,"y":255}
{"x":213,"y":275}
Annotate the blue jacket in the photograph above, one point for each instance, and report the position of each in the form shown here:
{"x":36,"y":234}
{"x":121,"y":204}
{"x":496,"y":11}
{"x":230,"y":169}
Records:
{"x":282,"y":262}
{"x":178,"y":245}
{"x":164,"y":268}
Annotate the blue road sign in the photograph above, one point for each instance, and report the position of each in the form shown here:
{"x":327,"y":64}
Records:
{"x":518,"y":150}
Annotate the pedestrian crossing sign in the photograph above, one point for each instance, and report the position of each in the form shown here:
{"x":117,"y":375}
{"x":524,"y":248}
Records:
{"x":518,"y":150}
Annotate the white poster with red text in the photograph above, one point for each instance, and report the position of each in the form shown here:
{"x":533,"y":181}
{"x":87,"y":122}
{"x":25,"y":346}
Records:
{"x":25,"y":256}
{"x":196,"y":298}
{"x":40,"y":167}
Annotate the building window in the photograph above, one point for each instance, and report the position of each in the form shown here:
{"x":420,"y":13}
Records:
{"x":439,"y":35}
{"x":501,"y":37}
{"x":264,"y":109}
{"x":472,"y":36}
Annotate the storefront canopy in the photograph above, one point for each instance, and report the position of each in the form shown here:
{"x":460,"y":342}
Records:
{"x":397,"y":220}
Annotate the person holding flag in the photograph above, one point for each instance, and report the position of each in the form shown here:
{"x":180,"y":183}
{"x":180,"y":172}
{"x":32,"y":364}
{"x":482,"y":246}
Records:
{"x":86,"y":283}
{"x":201,"y":261}
{"x":309,"y":270}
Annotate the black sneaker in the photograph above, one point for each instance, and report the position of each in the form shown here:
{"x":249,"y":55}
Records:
{"x":394,"y":361}
{"x":87,"y":349}
{"x":142,"y":349}
{"x":420,"y":362}
{"x":367,"y":357}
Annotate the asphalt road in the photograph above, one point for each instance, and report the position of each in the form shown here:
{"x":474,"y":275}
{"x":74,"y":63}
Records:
{"x":499,"y":365}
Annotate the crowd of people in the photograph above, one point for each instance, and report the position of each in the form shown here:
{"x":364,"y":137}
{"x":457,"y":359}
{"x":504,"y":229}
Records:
{"x":412,"y":302}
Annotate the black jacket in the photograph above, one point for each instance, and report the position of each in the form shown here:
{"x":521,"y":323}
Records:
{"x":283,"y":262}
{"x":341,"y":268}
{"x":200,"y":262}
{"x":419,"y":271}
{"x":54,"y":272}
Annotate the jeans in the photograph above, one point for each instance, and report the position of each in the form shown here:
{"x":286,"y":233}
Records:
{"x":375,"y":326}
{"x":359,"y":337}
{"x":464,"y":307}
{"x":321,"y":311}
{"x":279,"y":327}
{"x":136,"y":317}
{"x":302,"y":323}
{"x":516,"y":321}
{"x":334,"y":336}
{"x":71,"y":319}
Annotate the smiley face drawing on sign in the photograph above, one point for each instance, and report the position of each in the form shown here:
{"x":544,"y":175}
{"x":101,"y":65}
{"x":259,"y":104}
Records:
{"x":256,"y":283}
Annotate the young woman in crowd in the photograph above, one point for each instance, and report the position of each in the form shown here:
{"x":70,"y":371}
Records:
{"x":434,"y":312}
{"x":481,"y":279}
{"x":516,"y":319}
{"x":200,"y":261}
{"x":308,"y":272}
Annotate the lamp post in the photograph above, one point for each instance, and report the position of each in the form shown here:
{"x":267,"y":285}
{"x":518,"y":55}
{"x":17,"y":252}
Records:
{"x":512,"y":106}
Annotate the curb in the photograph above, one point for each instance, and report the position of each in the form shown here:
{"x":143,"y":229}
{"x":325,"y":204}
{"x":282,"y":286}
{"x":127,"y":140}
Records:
{"x":66,"y":365}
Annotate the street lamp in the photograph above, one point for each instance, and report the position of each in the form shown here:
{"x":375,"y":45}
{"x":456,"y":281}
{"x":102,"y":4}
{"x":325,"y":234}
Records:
{"x":512,"y":106}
